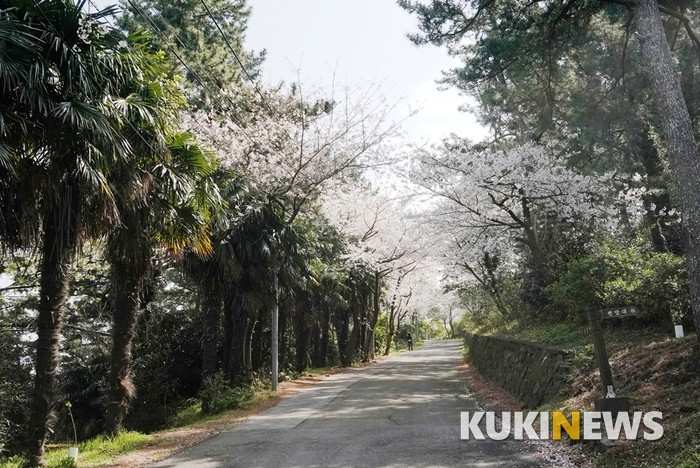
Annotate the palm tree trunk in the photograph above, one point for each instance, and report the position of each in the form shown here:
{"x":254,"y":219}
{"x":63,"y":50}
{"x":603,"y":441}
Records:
{"x":125,"y":308}
{"x":303,"y":337}
{"x":343,"y":330}
{"x":675,"y":122}
{"x":325,"y":337}
{"x":316,"y":338}
{"x":229,"y":302}
{"x":211,"y":315}
{"x":239,"y":320}
{"x":57,"y":253}
{"x":256,"y":345}
{"x":247,"y":369}
{"x":284,"y":304}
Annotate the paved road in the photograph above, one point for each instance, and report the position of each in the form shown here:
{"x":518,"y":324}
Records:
{"x":402,"y":412}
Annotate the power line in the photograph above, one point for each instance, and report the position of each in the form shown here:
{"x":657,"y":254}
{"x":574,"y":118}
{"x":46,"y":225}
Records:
{"x":172,"y":28}
{"x":172,"y":49}
{"x":235,"y":54}
{"x":156,"y":30}
{"x":228,"y":43}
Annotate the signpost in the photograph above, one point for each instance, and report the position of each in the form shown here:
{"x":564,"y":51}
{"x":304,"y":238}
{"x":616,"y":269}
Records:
{"x":611,"y":402}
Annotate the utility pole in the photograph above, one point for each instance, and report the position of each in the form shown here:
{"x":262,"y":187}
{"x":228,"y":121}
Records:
{"x":274,"y":333}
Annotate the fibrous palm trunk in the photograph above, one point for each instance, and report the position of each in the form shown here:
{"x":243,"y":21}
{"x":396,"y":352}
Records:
{"x":60,"y":236}
{"x":284,"y":304}
{"x":239,"y":323}
{"x":247,"y":368}
{"x":211,"y":315}
{"x":325,"y":337}
{"x":125,"y":309}
{"x":678,"y":134}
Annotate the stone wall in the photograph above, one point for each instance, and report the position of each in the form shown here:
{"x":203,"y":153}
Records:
{"x":530,"y":372}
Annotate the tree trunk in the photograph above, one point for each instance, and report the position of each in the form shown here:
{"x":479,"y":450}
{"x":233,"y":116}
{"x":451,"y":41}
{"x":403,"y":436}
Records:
{"x":303,"y":334}
{"x":228,"y":332}
{"x":325,"y":337}
{"x":57,"y":251}
{"x":390,"y":330}
{"x":125,"y":309}
{"x":247,"y":368}
{"x":678,"y":135}
{"x":351,"y":345}
{"x":349,"y":354}
{"x":257,"y":342}
{"x":343,"y":330}
{"x":239,"y":321}
{"x":283,"y":312}
{"x":372,"y":320}
{"x":211,"y":315}
{"x":316,"y":338}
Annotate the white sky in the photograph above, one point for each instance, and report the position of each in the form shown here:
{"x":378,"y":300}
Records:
{"x":361,"y":40}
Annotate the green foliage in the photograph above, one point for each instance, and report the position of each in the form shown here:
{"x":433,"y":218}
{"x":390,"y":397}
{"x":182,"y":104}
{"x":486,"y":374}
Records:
{"x":616,"y":274}
{"x":14,"y":385}
{"x":560,"y":334}
{"x":167,"y":361}
{"x":381,"y":330}
{"x":184,"y":26}
{"x":103,"y":446}
{"x":189,"y":414}
{"x":222,"y":397}
{"x":84,"y":386}
{"x":13,"y":462}
{"x":63,"y":462}
{"x":95,"y":452}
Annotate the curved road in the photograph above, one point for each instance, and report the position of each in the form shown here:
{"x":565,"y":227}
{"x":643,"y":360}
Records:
{"x":402,"y":412}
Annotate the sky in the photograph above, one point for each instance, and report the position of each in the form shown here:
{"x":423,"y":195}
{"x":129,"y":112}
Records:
{"x":365,"y":41}
{"x":358,"y":41}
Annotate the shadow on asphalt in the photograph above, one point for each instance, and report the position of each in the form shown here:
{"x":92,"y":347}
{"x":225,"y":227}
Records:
{"x":402,"y":412}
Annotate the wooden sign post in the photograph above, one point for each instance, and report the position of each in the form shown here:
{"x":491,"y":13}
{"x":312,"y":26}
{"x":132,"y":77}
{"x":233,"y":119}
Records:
{"x":610,"y":402}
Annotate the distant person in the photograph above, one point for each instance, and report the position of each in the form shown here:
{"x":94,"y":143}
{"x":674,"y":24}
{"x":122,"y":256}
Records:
{"x":409,"y":340}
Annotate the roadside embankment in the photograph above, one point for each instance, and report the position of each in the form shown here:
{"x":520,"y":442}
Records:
{"x":530,"y":372}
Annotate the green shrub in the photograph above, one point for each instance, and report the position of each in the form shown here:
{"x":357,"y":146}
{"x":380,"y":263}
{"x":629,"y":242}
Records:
{"x":221,"y":397}
{"x":615,"y":274}
{"x":13,"y":462}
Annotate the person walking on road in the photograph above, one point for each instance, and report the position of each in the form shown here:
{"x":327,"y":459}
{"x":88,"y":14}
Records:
{"x":409,"y":340}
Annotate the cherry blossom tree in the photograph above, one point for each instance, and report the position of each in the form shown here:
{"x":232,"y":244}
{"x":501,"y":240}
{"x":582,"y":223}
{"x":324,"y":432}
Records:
{"x":499,"y":207}
{"x":385,"y":234}
{"x":294,"y":144}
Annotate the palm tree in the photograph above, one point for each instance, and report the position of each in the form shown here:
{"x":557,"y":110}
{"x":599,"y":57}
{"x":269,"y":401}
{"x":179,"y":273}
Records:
{"x":156,"y":215}
{"x":165,"y":200}
{"x":63,"y":140}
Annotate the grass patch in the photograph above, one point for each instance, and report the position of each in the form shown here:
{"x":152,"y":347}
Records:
{"x":223,"y":399}
{"x":190,"y":414}
{"x":561,"y":335}
{"x":94,"y":453}
{"x":14,"y":462}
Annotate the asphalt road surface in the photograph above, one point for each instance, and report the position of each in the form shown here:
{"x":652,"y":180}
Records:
{"x":402,"y":412}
